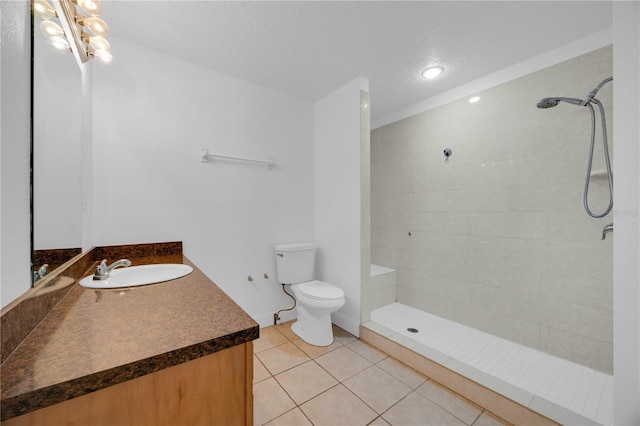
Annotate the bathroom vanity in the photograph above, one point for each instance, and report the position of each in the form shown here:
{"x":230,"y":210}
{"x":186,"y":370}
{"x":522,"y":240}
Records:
{"x":177,"y":352}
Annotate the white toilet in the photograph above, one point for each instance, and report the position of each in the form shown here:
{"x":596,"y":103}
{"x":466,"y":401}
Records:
{"x":315,"y":300}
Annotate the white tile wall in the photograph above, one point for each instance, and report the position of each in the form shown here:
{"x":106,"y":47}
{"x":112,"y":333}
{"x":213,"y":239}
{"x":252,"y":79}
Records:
{"x":499,"y":238}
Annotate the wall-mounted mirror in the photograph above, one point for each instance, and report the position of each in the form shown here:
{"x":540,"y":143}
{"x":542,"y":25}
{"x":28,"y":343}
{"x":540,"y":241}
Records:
{"x":57,"y":176}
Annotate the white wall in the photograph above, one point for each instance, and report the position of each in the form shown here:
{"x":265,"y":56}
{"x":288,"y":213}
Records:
{"x":337,"y":196}
{"x":626,"y":237}
{"x":15,"y":98}
{"x":152,"y":114}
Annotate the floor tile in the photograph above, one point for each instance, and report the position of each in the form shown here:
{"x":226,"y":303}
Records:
{"x":260,"y":373}
{"x":453,"y":403}
{"x":338,"y":385}
{"x":338,"y":406}
{"x":305,"y":381}
{"x":368,"y":352}
{"x":269,"y":401}
{"x":293,"y":417}
{"x":269,"y":338}
{"x":415,"y":409}
{"x":343,"y":336}
{"x":282,"y":358}
{"x":285,"y":329}
{"x":342,"y":363}
{"x":379,"y":422}
{"x":315,"y":351}
{"x":377,"y":388}
{"x":406,"y":375}
{"x":488,"y":419}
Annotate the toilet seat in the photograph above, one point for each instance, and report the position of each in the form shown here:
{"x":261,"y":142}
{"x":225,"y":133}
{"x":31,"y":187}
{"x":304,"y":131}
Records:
{"x":320,"y":290}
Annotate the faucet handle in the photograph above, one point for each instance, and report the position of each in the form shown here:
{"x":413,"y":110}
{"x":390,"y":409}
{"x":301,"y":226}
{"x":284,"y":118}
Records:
{"x":101,"y":270}
{"x":103,"y":265}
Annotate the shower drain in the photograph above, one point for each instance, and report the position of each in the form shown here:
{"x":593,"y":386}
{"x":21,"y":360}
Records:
{"x":412,"y":330}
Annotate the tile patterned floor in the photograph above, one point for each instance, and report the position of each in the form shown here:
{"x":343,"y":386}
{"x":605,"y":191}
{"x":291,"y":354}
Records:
{"x":348,"y":383}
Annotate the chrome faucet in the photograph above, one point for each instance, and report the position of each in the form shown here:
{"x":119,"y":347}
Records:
{"x":102,"y":271}
{"x":40,"y":273}
{"x":606,"y":230}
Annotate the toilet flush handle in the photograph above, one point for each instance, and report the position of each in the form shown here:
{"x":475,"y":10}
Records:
{"x":280,"y":254}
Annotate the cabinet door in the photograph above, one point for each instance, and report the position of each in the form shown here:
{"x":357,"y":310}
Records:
{"x":213,"y":390}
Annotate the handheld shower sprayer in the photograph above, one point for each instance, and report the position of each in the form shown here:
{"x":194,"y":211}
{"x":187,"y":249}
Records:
{"x":589,"y":101}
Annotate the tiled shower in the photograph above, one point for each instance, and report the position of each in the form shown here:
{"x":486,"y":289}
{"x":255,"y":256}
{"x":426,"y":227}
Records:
{"x":495,"y":236}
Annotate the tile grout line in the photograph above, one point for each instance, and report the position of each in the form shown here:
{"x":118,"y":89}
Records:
{"x":341,"y":382}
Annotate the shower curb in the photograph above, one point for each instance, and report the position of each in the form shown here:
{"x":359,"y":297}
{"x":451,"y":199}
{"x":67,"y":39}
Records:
{"x":520,"y":408}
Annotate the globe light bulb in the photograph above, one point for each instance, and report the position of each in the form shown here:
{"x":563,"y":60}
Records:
{"x":60,"y":44}
{"x":50,"y":29}
{"x":99,"y":43}
{"x":96,"y":25}
{"x":103,"y":56}
{"x":43,"y":10}
{"x":92,"y":7}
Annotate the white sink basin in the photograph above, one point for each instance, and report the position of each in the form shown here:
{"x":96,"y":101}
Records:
{"x":139,"y":275}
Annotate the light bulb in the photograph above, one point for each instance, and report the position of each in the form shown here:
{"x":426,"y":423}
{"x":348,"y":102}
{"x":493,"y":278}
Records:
{"x":432,"y":72}
{"x":50,"y":29}
{"x":60,"y":44}
{"x":92,"y":7}
{"x":103,"y":56}
{"x":99,"y":43}
{"x":96,"y":25}
{"x":43,"y":10}
{"x":474,"y":99}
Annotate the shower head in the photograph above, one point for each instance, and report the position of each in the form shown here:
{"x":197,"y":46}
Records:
{"x":547,"y":103}
{"x":552,"y":102}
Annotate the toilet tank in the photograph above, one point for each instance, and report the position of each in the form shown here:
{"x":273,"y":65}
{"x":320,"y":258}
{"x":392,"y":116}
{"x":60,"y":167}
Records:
{"x":295,"y":262}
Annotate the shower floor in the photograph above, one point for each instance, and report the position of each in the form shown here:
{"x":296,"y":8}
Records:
{"x":550,"y":385}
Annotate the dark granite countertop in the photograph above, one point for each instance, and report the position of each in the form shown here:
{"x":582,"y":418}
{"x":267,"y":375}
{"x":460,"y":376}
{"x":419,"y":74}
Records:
{"x":92,"y":339}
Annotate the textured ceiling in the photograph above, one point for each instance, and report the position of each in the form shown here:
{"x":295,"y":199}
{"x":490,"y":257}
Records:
{"x":309,"y":49}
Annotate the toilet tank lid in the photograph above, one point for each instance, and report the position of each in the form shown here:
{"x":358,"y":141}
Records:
{"x":295,"y":247}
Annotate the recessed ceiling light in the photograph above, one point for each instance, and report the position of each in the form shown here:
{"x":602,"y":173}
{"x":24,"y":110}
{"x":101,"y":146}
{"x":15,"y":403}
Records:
{"x":432,"y":72}
{"x":474,"y":99}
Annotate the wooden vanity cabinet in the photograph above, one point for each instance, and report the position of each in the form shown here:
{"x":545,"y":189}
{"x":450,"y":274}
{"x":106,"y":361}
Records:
{"x":215,"y":389}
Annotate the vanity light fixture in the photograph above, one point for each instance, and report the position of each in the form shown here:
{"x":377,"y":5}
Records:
{"x":432,"y":72}
{"x":69,"y":34}
{"x":474,"y":99}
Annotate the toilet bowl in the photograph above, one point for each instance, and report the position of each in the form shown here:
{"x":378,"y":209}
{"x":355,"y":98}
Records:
{"x":315,"y":300}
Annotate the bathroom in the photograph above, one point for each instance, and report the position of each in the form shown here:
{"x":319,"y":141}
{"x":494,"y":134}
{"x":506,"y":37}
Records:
{"x":230,"y":230}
